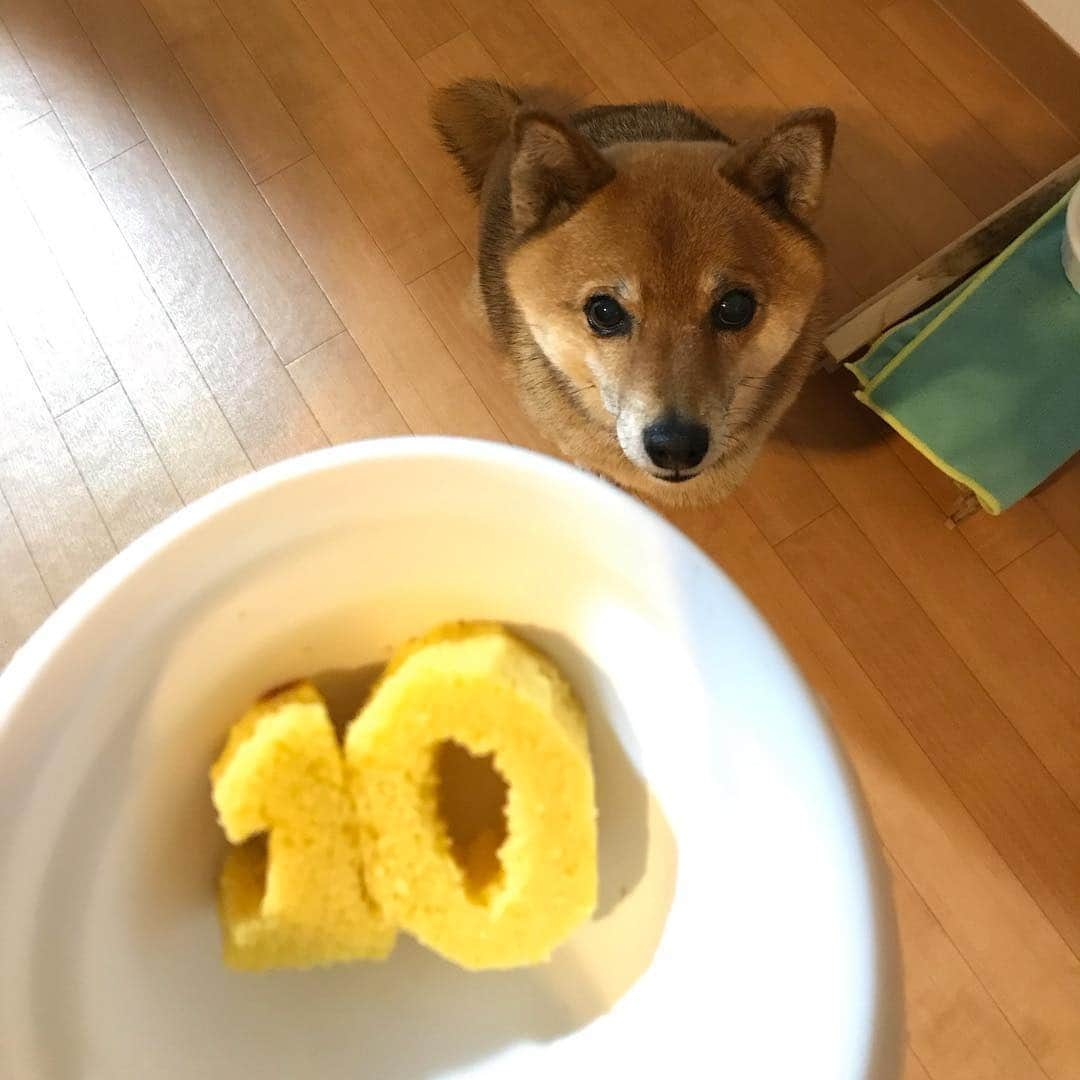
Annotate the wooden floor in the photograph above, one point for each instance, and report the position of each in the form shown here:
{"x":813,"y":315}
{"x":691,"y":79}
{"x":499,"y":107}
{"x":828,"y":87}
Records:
{"x":227,"y":235}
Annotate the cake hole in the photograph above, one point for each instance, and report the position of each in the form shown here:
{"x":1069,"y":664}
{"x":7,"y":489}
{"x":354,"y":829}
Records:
{"x":472,"y":805}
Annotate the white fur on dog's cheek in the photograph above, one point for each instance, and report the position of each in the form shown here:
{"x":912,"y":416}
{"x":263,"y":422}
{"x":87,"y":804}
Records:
{"x":563,"y":349}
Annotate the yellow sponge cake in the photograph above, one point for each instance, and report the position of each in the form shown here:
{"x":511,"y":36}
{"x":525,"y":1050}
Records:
{"x":296,"y":899}
{"x":471,"y":771}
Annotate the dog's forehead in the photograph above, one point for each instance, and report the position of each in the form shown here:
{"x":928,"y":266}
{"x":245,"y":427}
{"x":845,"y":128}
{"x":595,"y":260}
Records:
{"x":670,"y":215}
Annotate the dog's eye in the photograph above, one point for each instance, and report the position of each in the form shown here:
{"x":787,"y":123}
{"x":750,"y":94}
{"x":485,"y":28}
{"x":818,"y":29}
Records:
{"x":734,"y":310}
{"x":607,"y":317}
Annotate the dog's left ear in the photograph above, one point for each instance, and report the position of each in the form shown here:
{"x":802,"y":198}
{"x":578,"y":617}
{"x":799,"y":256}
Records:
{"x":787,"y":167}
{"x":554,"y":170}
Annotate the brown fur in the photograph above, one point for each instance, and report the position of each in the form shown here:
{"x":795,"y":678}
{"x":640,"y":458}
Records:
{"x":653,"y":205}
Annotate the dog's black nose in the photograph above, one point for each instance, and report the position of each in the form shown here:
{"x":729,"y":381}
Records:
{"x":675,"y":443}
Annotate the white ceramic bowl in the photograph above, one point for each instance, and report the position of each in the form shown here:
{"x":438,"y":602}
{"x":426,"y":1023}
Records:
{"x":743,"y":929}
{"x":1070,"y":240}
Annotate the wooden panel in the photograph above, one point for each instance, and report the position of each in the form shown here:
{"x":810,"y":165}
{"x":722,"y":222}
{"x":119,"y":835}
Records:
{"x":396,"y":92}
{"x":1025,"y":814}
{"x":523,"y":45}
{"x":421,"y":377}
{"x":913,"y":1067}
{"x":233,"y":89}
{"x":239,"y":365}
{"x":911,"y":195}
{"x":1003,"y":933}
{"x":56,"y":516}
{"x":1060,"y":498}
{"x":169,"y":394}
{"x":21,"y":99}
{"x":420,"y":25}
{"x":974,"y":165}
{"x":616,"y":59}
{"x":82,"y":93}
{"x":129,"y":484}
{"x":944,"y":999}
{"x":268,"y":271}
{"x":24,"y":600}
{"x":999,"y":539}
{"x":462,"y":57}
{"x":594,"y":97}
{"x":344,"y":394}
{"x":379,"y":185}
{"x":1036,"y":138}
{"x":666,"y":28}
{"x":725,"y":87}
{"x":1018,"y":667}
{"x":864,"y":250}
{"x":782,"y":493}
{"x":446,"y":296}
{"x":1013,"y":33}
{"x":55,"y":339}
{"x":1046,"y":582}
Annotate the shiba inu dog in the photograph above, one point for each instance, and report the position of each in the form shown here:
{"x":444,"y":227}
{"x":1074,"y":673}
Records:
{"x":656,"y":287}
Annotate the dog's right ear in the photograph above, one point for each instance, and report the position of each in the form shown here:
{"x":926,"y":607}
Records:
{"x":554,"y":170}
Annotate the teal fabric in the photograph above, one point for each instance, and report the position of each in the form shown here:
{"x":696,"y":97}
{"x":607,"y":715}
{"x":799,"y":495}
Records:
{"x":991,"y":392}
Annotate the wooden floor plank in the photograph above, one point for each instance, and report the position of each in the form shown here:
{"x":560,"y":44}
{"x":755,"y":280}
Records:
{"x":421,"y":25}
{"x":24,"y":600}
{"x":56,"y":516}
{"x":913,"y":1067}
{"x":1060,"y":498}
{"x":345,"y":394}
{"x":977,"y":168}
{"x":122,"y":469}
{"x":667,"y":28}
{"x":234,"y":90}
{"x":462,"y":57}
{"x":268,"y":271}
{"x":80,"y":90}
{"x":993,"y":635}
{"x":1015,"y":34}
{"x":914,"y":199}
{"x":50,"y":328}
{"x":425,"y":383}
{"x":395,"y":90}
{"x":1021,"y":123}
{"x":523,"y":46}
{"x":21,"y":99}
{"x":617,"y":60}
{"x":999,"y":778}
{"x":364,"y":163}
{"x":244,"y":374}
{"x":183,"y":420}
{"x":1046,"y":583}
{"x":998,"y":539}
{"x":782,"y":493}
{"x":945,"y":1000}
{"x":443,"y":297}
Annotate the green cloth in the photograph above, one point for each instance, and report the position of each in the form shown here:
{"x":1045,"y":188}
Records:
{"x":986,"y":382}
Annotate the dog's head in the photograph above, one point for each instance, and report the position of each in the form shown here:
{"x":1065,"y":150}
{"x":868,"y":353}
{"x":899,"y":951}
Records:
{"x":665,"y":281}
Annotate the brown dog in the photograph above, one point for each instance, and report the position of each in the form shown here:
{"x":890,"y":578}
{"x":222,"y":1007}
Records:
{"x":656,"y":287}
